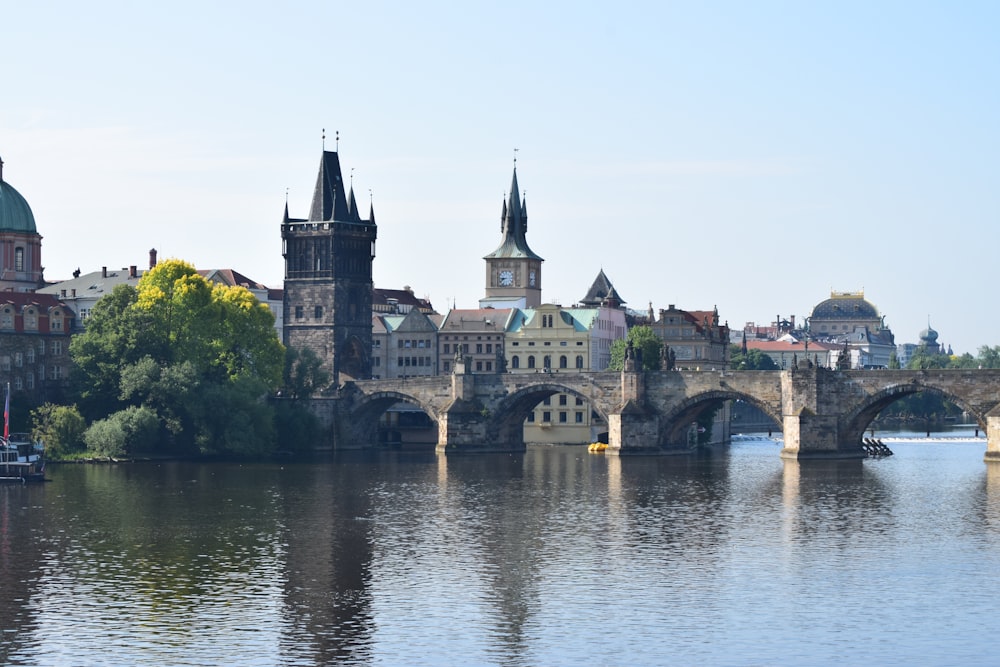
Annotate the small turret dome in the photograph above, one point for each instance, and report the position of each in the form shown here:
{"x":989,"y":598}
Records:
{"x":15,"y":214}
{"x":928,"y":336}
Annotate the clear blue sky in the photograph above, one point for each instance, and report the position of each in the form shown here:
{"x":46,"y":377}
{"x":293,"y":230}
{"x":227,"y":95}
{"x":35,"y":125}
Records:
{"x":749,"y":155}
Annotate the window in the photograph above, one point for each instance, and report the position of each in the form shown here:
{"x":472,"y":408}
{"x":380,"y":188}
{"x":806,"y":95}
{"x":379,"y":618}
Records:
{"x":18,"y":383}
{"x":30,"y":319}
{"x":55,"y":348}
{"x":30,"y":354}
{"x":515,"y":361}
{"x":7,"y":318}
{"x":30,"y":380}
{"x":579,"y":361}
{"x":41,"y":347}
{"x":479,"y":348}
{"x":5,"y":363}
{"x":563,"y":362}
{"x":56,"y":372}
{"x":18,"y":360}
{"x":19,"y":259}
{"x":547,"y":416}
{"x":547,"y":361}
{"x":299,"y":313}
{"x":447,"y":366}
{"x":531,"y":362}
{"x":489,"y":365}
{"x":562,"y":417}
{"x":547,"y":400}
{"x":479,"y":365}
{"x":562,"y":399}
{"x":318,"y":312}
{"x":579,"y":417}
{"x":447,"y":348}
{"x":531,"y":416}
{"x":579,"y":401}
{"x":489,"y":348}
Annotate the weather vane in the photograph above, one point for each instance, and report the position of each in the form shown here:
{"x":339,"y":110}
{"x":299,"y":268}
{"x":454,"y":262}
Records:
{"x":515,"y":157}
{"x":324,"y":138}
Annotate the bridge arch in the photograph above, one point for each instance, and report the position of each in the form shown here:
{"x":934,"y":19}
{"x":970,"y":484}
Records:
{"x":857,"y":420}
{"x":677,"y":422}
{"x":365,"y":422}
{"x":507,"y":419}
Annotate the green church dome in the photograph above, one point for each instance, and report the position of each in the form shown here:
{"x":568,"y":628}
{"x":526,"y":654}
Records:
{"x":15,"y":214}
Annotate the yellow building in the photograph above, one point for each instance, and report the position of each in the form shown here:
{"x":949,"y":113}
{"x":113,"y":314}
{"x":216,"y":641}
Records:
{"x":552,"y":339}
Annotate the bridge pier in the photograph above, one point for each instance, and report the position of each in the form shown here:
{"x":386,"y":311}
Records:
{"x":992,"y":438}
{"x":811,"y":405}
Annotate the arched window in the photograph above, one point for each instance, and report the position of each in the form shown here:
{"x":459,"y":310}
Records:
{"x":563,"y":362}
{"x":579,"y":361}
{"x":547,"y":361}
{"x":19,"y":259}
{"x":531,"y":361}
{"x":515,"y":361}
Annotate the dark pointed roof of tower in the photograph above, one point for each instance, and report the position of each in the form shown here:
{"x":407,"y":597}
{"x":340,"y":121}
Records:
{"x":352,"y":207}
{"x":602,"y":291}
{"x":329,"y":199}
{"x":514,"y":225}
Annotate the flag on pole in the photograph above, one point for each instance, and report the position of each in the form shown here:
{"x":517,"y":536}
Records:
{"x":6,"y":415}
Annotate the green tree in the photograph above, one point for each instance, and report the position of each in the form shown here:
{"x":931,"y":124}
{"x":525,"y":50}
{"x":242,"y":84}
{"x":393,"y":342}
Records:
{"x":304,"y":373}
{"x":109,"y":342}
{"x":921,"y":360}
{"x":989,"y":357}
{"x":645,"y":343}
{"x":753,"y":360}
{"x":60,"y":427}
{"x":200,"y":357}
{"x":122,"y":433}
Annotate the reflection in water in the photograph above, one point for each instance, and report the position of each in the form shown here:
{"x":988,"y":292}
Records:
{"x":554,"y":557}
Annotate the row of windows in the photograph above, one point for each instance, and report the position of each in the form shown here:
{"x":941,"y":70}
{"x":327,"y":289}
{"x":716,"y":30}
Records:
{"x":467,"y":338}
{"x":515,"y":361}
{"x":300,"y":312}
{"x":563,"y":399}
{"x":405,"y":344}
{"x":547,"y":343}
{"x":30,"y":319}
{"x":18,"y":359}
{"x":414,"y":361}
{"x":563,"y":417}
{"x":28,"y":380}
{"x":481,"y":348}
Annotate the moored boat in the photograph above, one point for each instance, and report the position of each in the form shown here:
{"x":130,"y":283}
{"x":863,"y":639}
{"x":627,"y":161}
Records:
{"x":21,"y":459}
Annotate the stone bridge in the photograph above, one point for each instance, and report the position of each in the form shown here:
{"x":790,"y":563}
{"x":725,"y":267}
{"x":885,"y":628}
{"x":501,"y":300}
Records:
{"x":822,"y":413}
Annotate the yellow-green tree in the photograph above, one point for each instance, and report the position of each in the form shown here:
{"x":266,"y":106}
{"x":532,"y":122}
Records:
{"x":200,"y":356}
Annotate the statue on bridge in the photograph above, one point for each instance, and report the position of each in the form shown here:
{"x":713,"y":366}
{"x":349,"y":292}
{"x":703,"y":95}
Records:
{"x":668,"y":358}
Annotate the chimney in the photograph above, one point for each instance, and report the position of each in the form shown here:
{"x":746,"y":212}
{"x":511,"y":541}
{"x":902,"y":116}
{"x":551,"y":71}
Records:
{"x":131,"y":271}
{"x":104,"y":272}
{"x":152,"y":258}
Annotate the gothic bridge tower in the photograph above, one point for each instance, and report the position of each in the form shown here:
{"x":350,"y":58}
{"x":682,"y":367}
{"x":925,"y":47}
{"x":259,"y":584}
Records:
{"x":328,"y":277}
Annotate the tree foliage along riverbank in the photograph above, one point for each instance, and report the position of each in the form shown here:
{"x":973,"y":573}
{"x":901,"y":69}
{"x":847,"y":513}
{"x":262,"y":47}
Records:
{"x":177,"y":366}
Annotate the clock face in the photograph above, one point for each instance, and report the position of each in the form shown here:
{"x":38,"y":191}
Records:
{"x":531,"y":277}
{"x":506,"y":278}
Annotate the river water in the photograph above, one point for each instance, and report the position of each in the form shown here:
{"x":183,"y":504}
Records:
{"x":553,"y":557}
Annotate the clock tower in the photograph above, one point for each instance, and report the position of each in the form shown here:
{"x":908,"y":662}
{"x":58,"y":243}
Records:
{"x":513,"y":271}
